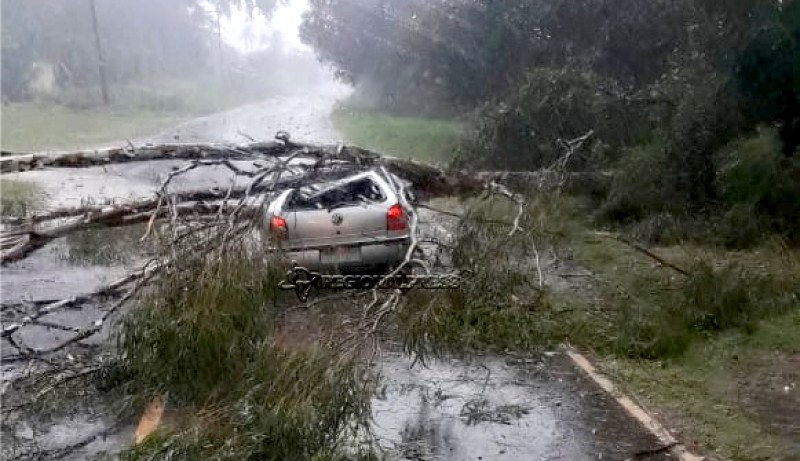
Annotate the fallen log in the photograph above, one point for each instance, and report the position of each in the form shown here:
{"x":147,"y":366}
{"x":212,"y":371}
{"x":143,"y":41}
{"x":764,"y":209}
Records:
{"x":142,"y":205}
{"x":31,"y":239}
{"x":428,"y":179}
{"x":15,"y":162}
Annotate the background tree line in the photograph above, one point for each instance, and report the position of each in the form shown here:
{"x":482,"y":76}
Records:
{"x":696,"y":103}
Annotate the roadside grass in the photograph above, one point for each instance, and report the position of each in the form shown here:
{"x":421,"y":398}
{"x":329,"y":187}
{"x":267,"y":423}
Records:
{"x":29,"y":127}
{"x":18,"y":197}
{"x":76,"y":119}
{"x":188,"y":98}
{"x":205,"y":337}
{"x":660,"y":312}
{"x":635,"y":306}
{"x":715,"y":353}
{"x":712,"y":351}
{"x":736,"y":394}
{"x":430,"y":140}
{"x":105,"y":246}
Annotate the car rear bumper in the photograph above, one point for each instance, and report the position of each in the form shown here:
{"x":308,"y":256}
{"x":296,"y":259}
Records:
{"x":358,"y":257}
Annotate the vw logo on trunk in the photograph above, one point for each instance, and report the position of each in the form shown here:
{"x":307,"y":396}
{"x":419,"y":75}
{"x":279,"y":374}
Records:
{"x":337,"y":219}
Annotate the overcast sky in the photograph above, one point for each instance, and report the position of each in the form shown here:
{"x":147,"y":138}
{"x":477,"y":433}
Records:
{"x":251,"y":33}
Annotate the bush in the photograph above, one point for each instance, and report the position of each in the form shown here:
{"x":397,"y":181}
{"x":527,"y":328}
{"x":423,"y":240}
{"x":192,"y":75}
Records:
{"x":666,"y":228}
{"x":760,"y":185}
{"x":710,"y":300}
{"x":741,"y":226}
{"x":649,"y":331}
{"x":714,"y":299}
{"x":521,"y":133}
{"x":748,"y":168}
{"x":689,"y":186}
{"x":641,"y":186}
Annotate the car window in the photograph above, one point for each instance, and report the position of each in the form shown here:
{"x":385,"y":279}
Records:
{"x":361,"y":191}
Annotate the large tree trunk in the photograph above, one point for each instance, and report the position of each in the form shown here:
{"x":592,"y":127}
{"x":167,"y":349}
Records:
{"x":427,"y":179}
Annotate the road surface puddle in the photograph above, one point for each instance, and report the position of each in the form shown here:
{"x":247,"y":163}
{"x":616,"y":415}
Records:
{"x":72,"y":265}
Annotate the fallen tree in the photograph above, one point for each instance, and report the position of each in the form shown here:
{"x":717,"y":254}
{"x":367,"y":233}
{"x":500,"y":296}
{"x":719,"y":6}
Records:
{"x":211,"y":220}
{"x":208,"y":226}
{"x":426,"y":178}
{"x":271,"y":166}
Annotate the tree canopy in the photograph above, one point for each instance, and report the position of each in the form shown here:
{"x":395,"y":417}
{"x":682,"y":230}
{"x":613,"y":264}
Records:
{"x":473,"y":49}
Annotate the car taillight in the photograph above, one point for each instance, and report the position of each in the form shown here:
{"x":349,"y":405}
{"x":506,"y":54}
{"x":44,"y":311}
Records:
{"x":396,"y":218}
{"x":277,"y":226}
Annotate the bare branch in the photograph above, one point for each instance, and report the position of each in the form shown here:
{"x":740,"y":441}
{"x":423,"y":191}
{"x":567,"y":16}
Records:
{"x":643,"y":250}
{"x":496,"y":188}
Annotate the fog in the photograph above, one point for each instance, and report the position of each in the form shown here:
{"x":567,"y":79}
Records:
{"x":153,"y":54}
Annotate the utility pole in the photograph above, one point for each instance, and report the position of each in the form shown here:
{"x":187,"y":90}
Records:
{"x":100,"y":58}
{"x":220,"y":63}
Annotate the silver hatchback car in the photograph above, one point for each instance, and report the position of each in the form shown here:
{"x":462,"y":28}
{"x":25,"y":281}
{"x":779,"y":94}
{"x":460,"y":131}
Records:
{"x":353,"y":224}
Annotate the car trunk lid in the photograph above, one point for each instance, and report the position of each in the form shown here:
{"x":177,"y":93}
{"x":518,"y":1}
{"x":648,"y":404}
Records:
{"x":338,"y":226}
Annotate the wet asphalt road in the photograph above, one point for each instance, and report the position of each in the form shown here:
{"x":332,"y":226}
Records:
{"x":481,"y":408}
{"x":501,"y":408}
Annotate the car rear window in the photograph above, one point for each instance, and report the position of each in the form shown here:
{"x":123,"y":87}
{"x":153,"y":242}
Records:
{"x":361,"y":191}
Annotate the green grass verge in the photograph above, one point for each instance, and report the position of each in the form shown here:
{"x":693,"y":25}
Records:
{"x":18,"y":197}
{"x":732,"y":394}
{"x":431,"y":140}
{"x":711,"y":352}
{"x":659,"y":312}
{"x":75,"y":119}
{"x":34,"y":126}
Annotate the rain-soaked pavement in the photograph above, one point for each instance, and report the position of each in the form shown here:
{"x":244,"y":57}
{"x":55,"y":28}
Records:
{"x":480,"y":408}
